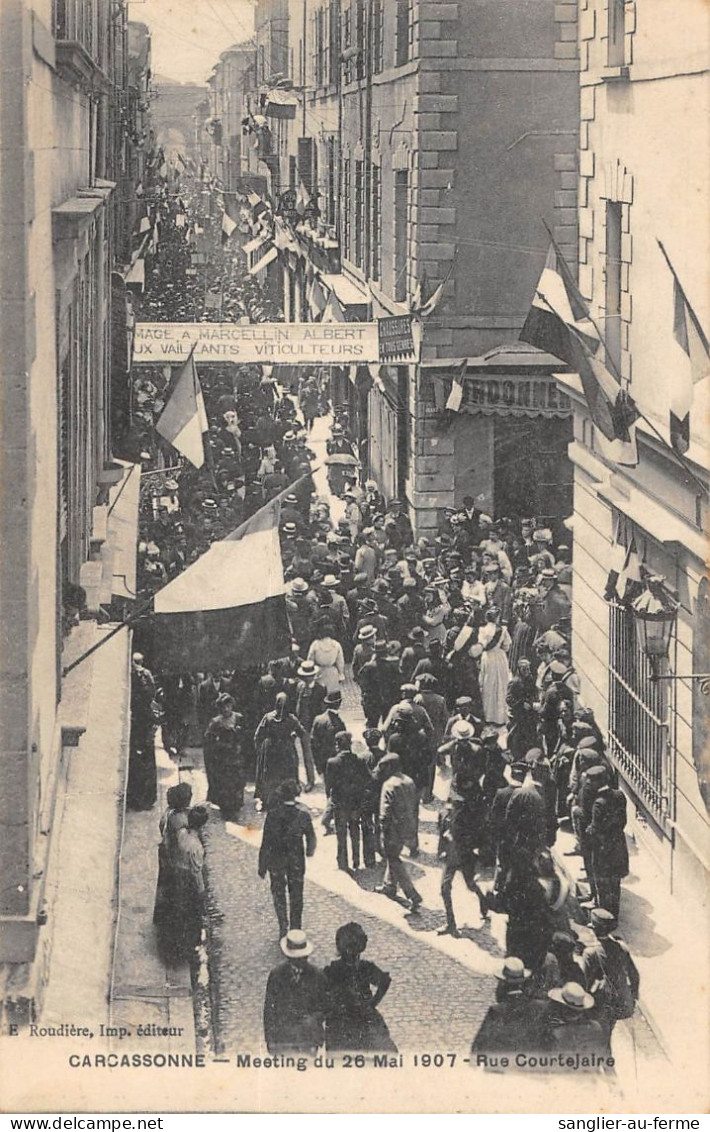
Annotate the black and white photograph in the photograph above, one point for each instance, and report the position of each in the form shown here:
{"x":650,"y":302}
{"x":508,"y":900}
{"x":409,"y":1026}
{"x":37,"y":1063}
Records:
{"x":355,"y":610}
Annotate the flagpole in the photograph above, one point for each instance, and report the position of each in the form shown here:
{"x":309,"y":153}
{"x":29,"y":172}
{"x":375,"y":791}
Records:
{"x":146,"y":604}
{"x":104,"y":640}
{"x":676,"y":455}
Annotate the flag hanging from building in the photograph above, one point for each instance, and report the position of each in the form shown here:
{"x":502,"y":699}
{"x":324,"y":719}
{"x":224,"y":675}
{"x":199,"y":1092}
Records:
{"x":303,"y":199}
{"x":630,"y":582}
{"x":228,"y":226}
{"x":559,"y":323}
{"x":183,"y":421}
{"x":456,"y":393}
{"x":693,"y":341}
{"x":227,"y":610}
{"x":423,"y":306}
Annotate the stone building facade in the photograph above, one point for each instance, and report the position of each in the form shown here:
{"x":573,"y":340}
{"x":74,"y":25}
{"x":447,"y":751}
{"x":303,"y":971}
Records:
{"x":642,"y":179}
{"x":64,"y":201}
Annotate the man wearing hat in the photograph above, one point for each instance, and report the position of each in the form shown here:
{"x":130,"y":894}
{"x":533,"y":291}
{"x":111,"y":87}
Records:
{"x":388,"y":656}
{"x":414,"y":651}
{"x":550,"y":701}
{"x":498,"y":594}
{"x":287,"y":840}
{"x":364,"y":649}
{"x":347,"y":780}
{"x":429,"y":697}
{"x":290,"y":513}
{"x":610,"y":973}
{"x":463,"y":710}
{"x":609,"y":851}
{"x":366,"y":559}
{"x":553,"y":605}
{"x":466,"y":758}
{"x":571,"y":1027}
{"x":410,"y":607}
{"x":296,"y":1000}
{"x":460,"y":830}
{"x":502,"y":832}
{"x":521,"y":698}
{"x":516,"y":1022}
{"x":310,"y":703}
{"x":302,"y":610}
{"x":370,"y":684}
{"x":325,"y":727}
{"x":399,"y":824}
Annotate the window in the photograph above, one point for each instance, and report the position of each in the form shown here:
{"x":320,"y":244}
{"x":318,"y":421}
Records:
{"x":360,"y":38}
{"x":401,"y":196}
{"x":376,"y":223}
{"x":306,"y":164}
{"x":347,"y":46}
{"x":331,"y":186}
{"x":403,"y":429}
{"x":638,"y":715}
{"x":617,"y":22}
{"x":334,"y":41}
{"x":612,"y":304}
{"x":359,"y":211}
{"x":319,"y":47}
{"x":377,"y":36}
{"x":292,"y":172}
{"x":346,"y":208}
{"x":403,"y":32}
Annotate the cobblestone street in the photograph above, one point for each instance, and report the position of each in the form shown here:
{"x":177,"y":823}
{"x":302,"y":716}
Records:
{"x":441,"y":987}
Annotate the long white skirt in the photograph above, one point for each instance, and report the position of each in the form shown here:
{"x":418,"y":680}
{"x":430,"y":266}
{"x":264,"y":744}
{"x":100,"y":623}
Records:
{"x":494,"y":678}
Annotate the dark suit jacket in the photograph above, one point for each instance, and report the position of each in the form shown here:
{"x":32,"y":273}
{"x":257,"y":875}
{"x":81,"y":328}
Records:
{"x":282,"y":845}
{"x":347,"y":779}
{"x":295,"y":1009}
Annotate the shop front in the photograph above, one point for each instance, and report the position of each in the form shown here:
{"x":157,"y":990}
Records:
{"x":505,"y":444}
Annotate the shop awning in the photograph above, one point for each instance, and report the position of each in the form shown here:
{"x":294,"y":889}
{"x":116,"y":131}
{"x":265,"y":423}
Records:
{"x":136,"y":275}
{"x":281,"y":104}
{"x":348,"y":293}
{"x":264,"y":262}
{"x":254,"y":244}
{"x":122,"y":529}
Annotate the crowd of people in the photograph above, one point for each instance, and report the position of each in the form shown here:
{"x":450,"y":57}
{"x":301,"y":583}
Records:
{"x":459,"y":644}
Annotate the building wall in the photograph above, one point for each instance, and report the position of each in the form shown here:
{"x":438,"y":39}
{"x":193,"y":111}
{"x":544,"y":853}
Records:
{"x":644,"y":148}
{"x":56,"y":214}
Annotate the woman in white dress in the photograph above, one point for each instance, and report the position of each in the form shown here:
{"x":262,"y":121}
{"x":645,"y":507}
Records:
{"x":494,"y":674}
{"x":327,"y":653}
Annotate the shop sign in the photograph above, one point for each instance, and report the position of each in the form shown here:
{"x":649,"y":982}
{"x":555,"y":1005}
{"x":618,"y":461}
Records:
{"x":287,"y":206}
{"x":396,"y":338}
{"x":289,"y":343}
{"x":515,"y":396}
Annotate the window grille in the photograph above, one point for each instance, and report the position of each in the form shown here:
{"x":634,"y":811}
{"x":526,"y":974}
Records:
{"x":639,"y":714}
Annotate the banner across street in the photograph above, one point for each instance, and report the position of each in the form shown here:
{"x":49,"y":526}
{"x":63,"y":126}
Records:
{"x":278,"y":342}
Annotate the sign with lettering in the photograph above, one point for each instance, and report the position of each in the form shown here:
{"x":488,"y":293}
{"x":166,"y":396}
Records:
{"x":289,"y":343}
{"x":516,"y":396}
{"x":396,"y":338}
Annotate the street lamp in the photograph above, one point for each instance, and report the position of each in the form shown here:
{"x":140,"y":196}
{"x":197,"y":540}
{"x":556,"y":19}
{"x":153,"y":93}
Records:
{"x":655,"y":614}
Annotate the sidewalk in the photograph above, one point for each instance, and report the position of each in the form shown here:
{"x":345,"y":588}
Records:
{"x":144,"y":991}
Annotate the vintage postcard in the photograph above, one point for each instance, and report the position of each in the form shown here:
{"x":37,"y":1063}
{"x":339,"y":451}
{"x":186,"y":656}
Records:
{"x":355,"y":660}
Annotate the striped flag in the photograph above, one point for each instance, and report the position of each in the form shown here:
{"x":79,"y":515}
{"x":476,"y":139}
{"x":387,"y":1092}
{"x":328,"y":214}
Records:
{"x":420,"y":305}
{"x":183,"y":421}
{"x":228,"y":226}
{"x":456,"y":393}
{"x":228,"y":609}
{"x":559,"y":323}
{"x":693,"y":341}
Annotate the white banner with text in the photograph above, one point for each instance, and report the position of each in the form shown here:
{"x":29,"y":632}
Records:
{"x":281,"y":343}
